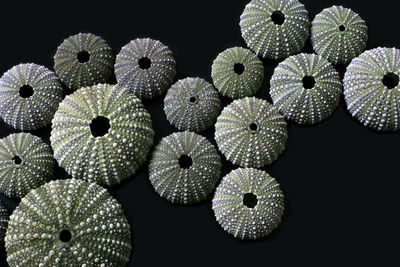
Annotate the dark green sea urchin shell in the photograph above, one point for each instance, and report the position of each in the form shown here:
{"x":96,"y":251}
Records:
{"x":68,"y":223}
{"x":185,"y":168}
{"x":146,"y":67}
{"x":339,"y":34}
{"x":248,"y":203}
{"x":101,"y":133}
{"x":192,"y":104}
{"x":3,"y":222}
{"x":306,"y":88}
{"x":275,"y":29}
{"x":237,"y":72}
{"x":26,"y":162}
{"x":29,"y":96}
{"x":84,"y":60}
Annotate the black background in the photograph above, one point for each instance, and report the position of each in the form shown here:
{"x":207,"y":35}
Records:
{"x":340,"y":179}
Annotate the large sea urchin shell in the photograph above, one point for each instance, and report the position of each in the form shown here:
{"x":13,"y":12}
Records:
{"x":184,"y":168}
{"x":3,"y":222}
{"x":250,"y":132}
{"x":68,"y":223}
{"x":29,"y":96}
{"x":275,"y":29}
{"x":146,"y":67}
{"x":101,"y":133}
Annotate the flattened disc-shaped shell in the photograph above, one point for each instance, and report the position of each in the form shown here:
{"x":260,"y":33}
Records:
{"x":26,"y":162}
{"x":29,"y":96}
{"x":3,"y":222}
{"x":306,"y":88}
{"x":185,"y":168}
{"x":250,"y":132}
{"x":237,"y":72}
{"x":192,"y":104}
{"x":339,"y":34}
{"x":146,"y":67}
{"x":101,"y":134}
{"x":275,"y":29}
{"x":248,"y":203}
{"x":68,"y":223}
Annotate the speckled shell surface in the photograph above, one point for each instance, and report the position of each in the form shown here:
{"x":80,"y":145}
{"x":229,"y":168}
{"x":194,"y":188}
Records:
{"x":3,"y":223}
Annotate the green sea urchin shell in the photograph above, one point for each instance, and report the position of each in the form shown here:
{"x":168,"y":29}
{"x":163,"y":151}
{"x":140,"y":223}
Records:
{"x":339,"y":34}
{"x":83,"y":60}
{"x":29,"y":96}
{"x":248,"y":203}
{"x":3,"y":222}
{"x":101,"y":133}
{"x":237,"y":72}
{"x":26,"y":162}
{"x":275,"y":29}
{"x":306,"y":88}
{"x":185,"y":168}
{"x":250,"y":132}
{"x":192,"y":104}
{"x":68,"y":223}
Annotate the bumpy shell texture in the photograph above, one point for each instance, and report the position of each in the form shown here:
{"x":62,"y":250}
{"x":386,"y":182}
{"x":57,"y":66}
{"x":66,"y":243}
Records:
{"x":185,"y":168}
{"x":250,"y":132}
{"x":371,"y":88}
{"x":101,"y":133}
{"x":83,"y":60}
{"x":26,"y":162}
{"x":237,"y":72}
{"x":275,"y":29}
{"x":68,"y":223}
{"x":306,"y":88}
{"x":3,"y":222}
{"x":146,"y":67}
{"x":192,"y":104}
{"x":29,"y":96}
{"x":339,"y":34}
{"x":248,"y":203}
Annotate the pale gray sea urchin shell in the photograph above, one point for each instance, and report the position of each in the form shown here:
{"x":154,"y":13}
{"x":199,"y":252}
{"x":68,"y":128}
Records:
{"x":3,"y":222}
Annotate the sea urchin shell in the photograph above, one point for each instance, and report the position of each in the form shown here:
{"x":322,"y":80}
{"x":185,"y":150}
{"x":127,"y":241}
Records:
{"x":3,"y":222}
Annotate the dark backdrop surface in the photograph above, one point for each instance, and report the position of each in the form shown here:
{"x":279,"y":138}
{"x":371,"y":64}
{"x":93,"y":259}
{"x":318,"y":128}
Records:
{"x":340,"y":179}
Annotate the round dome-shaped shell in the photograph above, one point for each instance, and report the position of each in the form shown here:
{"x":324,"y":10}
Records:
{"x":185,"y":168}
{"x":26,"y":162}
{"x":68,"y":223}
{"x":192,"y":104}
{"x":29,"y":96}
{"x":248,"y":203}
{"x":101,"y":134}
{"x":306,"y":88}
{"x":83,"y":60}
{"x":250,"y":132}
{"x":275,"y":29}
{"x":146,"y":67}
{"x":237,"y":72}
{"x":3,"y":222}
{"x":339,"y":34}
{"x":371,"y":88}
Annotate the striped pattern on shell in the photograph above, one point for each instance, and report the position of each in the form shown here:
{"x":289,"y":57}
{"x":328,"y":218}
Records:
{"x":146,"y":67}
{"x":3,"y":222}
{"x":248,"y":203}
{"x":192,"y":104}
{"x":101,"y":134}
{"x":250,"y":132}
{"x":373,"y":103}
{"x":339,"y":34}
{"x":26,"y":162}
{"x":296,"y":96}
{"x":275,"y":29}
{"x":237,"y":72}
{"x":68,"y":223}
{"x":185,"y":168}
{"x":29,"y":96}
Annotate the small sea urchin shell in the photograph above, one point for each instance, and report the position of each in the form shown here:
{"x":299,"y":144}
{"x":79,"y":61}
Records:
{"x":29,"y":96}
{"x":3,"y":222}
{"x":248,"y":203}
{"x":101,"y":133}
{"x":237,"y":72}
{"x":146,"y":67}
{"x":184,"y":168}
{"x":68,"y":223}
{"x":192,"y":104}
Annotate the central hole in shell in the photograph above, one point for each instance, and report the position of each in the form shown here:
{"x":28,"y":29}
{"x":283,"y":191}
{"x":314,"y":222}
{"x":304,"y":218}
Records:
{"x":144,"y":63}
{"x":65,"y":236}
{"x":238,"y":68}
{"x":17,"y":160}
{"x":185,"y":162}
{"x":83,"y":56}
{"x":342,"y":28}
{"x":253,"y":127}
{"x":192,"y":99}
{"x":26,"y":91}
{"x":99,"y":126}
{"x":308,"y":82}
{"x":390,"y":80}
{"x":250,"y":200}
{"x":278,"y":17}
